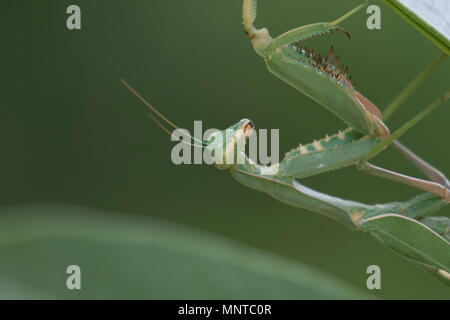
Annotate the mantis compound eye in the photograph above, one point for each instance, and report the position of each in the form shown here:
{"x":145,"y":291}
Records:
{"x":248,"y":128}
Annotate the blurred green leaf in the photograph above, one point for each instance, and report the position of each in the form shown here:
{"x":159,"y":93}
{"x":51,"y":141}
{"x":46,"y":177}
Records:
{"x":133,"y":257}
{"x":431,"y":18}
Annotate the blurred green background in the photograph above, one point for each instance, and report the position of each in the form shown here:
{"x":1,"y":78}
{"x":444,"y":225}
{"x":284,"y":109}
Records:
{"x":72,"y":134}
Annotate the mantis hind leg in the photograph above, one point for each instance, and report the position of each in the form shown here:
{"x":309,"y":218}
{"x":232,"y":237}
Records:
{"x":427,"y":169}
{"x":439,"y":184}
{"x":425,"y":185}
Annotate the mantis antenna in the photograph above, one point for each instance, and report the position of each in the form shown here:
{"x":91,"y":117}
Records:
{"x":161,"y":116}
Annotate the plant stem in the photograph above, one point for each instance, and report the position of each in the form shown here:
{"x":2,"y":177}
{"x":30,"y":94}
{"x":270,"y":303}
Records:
{"x":412,"y":86}
{"x":411,"y":123}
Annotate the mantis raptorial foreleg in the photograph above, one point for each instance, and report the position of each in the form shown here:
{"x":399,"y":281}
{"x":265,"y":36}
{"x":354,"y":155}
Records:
{"x":404,"y":226}
{"x":322,"y":80}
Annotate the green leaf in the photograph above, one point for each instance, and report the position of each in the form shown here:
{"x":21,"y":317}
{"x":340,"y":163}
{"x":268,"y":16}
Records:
{"x":439,"y":224}
{"x":125,"y":256}
{"x":413,"y":240}
{"x":430,"y":17}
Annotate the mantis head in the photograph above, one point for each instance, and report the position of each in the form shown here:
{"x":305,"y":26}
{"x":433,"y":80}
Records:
{"x":222,"y":147}
{"x":318,"y":77}
{"x":228,"y":144}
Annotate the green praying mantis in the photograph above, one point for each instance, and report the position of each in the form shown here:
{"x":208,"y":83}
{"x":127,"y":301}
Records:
{"x":409,"y":227}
